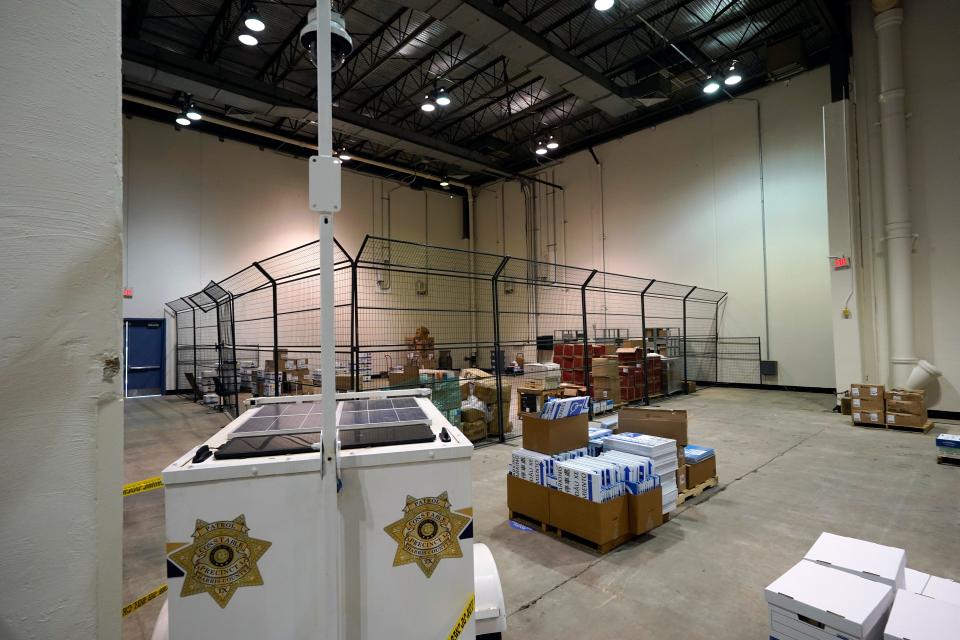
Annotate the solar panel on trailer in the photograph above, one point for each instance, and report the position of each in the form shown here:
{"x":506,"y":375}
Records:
{"x":279,"y":419}
{"x":384,"y":436}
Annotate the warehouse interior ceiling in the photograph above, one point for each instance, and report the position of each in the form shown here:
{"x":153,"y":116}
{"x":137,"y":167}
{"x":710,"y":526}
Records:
{"x":517,"y":72}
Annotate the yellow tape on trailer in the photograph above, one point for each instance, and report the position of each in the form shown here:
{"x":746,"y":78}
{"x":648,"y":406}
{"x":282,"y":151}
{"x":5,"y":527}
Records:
{"x":142,"y":600}
{"x":463,"y":619}
{"x":142,"y":486}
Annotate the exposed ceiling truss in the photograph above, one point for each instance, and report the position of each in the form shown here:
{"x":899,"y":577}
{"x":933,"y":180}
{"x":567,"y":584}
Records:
{"x":516,"y":70}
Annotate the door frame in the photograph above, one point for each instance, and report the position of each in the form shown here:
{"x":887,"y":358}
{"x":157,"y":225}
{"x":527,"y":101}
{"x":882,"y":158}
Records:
{"x":163,"y":354}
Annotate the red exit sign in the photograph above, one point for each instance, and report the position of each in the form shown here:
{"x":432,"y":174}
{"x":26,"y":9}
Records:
{"x":843,"y":262}
{"x":128,"y":293}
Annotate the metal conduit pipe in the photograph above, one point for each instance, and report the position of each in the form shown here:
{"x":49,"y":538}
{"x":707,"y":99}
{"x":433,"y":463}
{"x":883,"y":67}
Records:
{"x":236,"y":126}
{"x":906,"y":371}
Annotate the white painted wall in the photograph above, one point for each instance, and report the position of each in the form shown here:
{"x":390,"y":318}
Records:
{"x":61,"y":428}
{"x":932,"y":79}
{"x":197,"y":209}
{"x":681,"y":202}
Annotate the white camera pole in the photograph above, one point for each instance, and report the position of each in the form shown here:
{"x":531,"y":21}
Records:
{"x":325,"y":199}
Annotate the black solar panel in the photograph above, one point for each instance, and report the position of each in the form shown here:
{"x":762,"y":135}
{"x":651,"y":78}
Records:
{"x":307,"y":417}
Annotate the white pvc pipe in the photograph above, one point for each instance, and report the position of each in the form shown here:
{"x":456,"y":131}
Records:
{"x":899,"y":228}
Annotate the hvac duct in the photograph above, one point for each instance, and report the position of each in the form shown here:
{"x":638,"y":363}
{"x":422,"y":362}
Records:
{"x":904,"y":367}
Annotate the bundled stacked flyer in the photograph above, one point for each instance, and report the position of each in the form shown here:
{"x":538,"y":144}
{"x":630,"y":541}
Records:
{"x":557,"y":408}
{"x":595,"y":436}
{"x":636,"y":471}
{"x":591,"y":479}
{"x":695,"y":453}
{"x":948,"y":446}
{"x":540,"y":468}
{"x":663,"y":452}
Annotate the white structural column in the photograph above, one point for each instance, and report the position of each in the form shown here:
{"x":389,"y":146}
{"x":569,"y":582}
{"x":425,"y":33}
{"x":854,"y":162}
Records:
{"x":61,"y":412}
{"x":899,"y":228}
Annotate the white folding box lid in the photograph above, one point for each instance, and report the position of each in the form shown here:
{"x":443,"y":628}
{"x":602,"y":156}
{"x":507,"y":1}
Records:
{"x":943,"y":589}
{"x":916,"y":581}
{"x":916,"y":617}
{"x":835,"y":598}
{"x":865,"y":559}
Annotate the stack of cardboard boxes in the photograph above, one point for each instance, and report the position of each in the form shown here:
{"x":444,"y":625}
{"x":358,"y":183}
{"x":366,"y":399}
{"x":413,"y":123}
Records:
{"x":866,"y":404}
{"x":421,"y":346}
{"x":604,"y":523}
{"x":480,"y":414}
{"x":665,"y":423}
{"x":873,"y":405}
{"x":905,"y":408}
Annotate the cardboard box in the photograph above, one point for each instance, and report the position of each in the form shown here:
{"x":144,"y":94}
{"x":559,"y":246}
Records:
{"x":528,"y":498}
{"x":865,"y":559}
{"x":646,"y":511}
{"x":498,"y":414}
{"x":904,"y":420}
{"x":913,"y":407}
{"x":666,"y":423}
{"x":873,"y":418}
{"x":410,"y":376}
{"x":866,"y":391}
{"x":472,"y":415}
{"x":915,"y":581}
{"x":906,"y":395}
{"x":598,"y":522}
{"x":846,"y":406}
{"x":474,"y":429}
{"x":700,"y":472}
{"x":554,"y":436}
{"x":866,"y":405}
{"x":916,"y":617}
{"x":823,"y":596}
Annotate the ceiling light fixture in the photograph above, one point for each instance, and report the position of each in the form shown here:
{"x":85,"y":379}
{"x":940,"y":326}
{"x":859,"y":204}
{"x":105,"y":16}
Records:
{"x":192,"y":112}
{"x":552,"y":143}
{"x":733,"y":75}
{"x":248,"y":39}
{"x":541,"y":149}
{"x":344,"y":155}
{"x":602,"y":5}
{"x":429,"y":105}
{"x":442,"y":98}
{"x":712,"y":86}
{"x":444,"y":182}
{"x":182,"y":119}
{"x":253,"y":21}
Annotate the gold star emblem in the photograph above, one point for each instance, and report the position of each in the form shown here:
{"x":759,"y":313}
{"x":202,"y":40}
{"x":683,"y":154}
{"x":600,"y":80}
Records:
{"x":427,"y":533}
{"x":221,"y":559}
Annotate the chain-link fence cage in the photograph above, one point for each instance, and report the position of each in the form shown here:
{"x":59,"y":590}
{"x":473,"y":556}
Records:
{"x":424,"y":318}
{"x":491,"y":336}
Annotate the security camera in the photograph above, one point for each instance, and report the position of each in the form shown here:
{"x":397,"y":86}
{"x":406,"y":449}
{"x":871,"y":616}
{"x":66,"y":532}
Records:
{"x":341,"y":44}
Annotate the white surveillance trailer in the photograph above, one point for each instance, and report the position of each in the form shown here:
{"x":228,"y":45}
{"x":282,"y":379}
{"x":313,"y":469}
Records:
{"x":245,"y":516}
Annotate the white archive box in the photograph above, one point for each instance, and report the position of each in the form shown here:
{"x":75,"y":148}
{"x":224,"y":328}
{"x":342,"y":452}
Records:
{"x":943,"y":589}
{"x":855,"y":607}
{"x":916,"y":581}
{"x":787,"y":625}
{"x":859,"y":557}
{"x":916,"y":617}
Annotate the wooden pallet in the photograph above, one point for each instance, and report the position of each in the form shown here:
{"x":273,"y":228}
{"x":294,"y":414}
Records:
{"x":550,"y":529}
{"x":697,"y":490}
{"x":949,"y":461}
{"x":870,"y":425}
{"x":923,"y":429}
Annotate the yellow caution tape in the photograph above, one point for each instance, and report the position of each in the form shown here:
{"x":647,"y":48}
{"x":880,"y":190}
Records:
{"x":463,"y":620}
{"x":142,"y":600}
{"x":143,"y":485}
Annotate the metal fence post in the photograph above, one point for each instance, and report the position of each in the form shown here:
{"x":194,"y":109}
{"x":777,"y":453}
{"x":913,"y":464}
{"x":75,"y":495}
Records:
{"x":587,"y":364}
{"x":497,"y":363}
{"x":196,"y":380}
{"x":643,"y":350}
{"x":236,"y":363}
{"x":276,"y":331}
{"x":685,"y":378}
{"x":354,"y":323}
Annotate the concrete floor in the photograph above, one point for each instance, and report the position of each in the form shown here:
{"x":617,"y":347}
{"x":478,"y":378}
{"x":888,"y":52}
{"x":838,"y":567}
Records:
{"x":788,"y":468}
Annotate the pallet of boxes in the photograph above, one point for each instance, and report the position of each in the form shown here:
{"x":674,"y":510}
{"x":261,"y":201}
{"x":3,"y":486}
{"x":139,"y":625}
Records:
{"x":901,"y":409}
{"x":601,"y":500}
{"x":849,"y":588}
{"x":480,"y":413}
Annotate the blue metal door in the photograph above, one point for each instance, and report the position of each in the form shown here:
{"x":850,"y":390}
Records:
{"x":144,"y":345}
